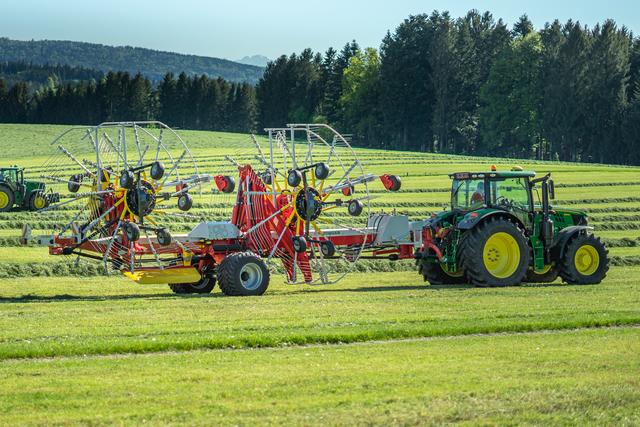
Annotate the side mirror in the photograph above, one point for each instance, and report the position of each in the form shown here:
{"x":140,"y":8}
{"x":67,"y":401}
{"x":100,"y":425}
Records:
{"x":552,"y":190}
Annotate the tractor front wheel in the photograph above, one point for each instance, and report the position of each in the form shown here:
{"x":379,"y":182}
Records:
{"x":548,"y":275}
{"x":585,"y":261}
{"x":204,"y":286}
{"x":37,"y":201}
{"x":7,"y":199}
{"x":243,"y":274}
{"x":437,"y":274}
{"x":495,"y":253}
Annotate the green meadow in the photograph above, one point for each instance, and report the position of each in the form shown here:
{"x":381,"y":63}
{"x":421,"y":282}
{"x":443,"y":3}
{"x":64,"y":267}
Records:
{"x":379,"y":347}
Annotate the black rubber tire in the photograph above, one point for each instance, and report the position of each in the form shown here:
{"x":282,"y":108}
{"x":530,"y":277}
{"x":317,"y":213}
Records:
{"x":300,"y":244}
{"x":33,"y":200}
{"x":472,"y":247}
{"x":164,"y":237}
{"x":397,"y":183}
{"x":568,"y":270}
{"x":157,"y":170}
{"x":105,"y":176}
{"x":548,"y":277}
{"x":12,"y":198}
{"x":231,"y":184}
{"x":435,"y":275}
{"x":266,"y":178}
{"x":126,"y":180}
{"x":321,"y":171}
{"x":185,"y":202}
{"x":294,"y":178}
{"x":132,"y":231}
{"x":355,"y":207}
{"x":231,"y":270}
{"x":74,"y":183}
{"x":327,"y":248}
{"x":204,"y":286}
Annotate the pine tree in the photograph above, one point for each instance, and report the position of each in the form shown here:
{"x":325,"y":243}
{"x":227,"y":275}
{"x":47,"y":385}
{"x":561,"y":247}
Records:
{"x":3,"y":101}
{"x":445,"y":65}
{"x":167,"y":99}
{"x":511,"y":100}
{"x":523,"y":27}
{"x":17,"y":104}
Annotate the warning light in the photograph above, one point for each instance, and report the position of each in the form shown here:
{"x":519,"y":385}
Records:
{"x":494,"y":168}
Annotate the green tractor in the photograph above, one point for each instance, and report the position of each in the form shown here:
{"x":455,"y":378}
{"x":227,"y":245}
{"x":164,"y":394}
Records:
{"x":501,"y":230}
{"x":15,"y":190}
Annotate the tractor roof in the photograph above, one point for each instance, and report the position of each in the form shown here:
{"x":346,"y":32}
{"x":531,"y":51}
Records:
{"x":492,"y":174}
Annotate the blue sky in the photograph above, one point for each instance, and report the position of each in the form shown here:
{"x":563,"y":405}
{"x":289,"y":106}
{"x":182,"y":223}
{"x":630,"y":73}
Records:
{"x":233,"y":29}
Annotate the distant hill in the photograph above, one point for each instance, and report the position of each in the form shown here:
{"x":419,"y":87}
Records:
{"x":257,"y":60}
{"x":37,"y":75}
{"x":152,"y":63}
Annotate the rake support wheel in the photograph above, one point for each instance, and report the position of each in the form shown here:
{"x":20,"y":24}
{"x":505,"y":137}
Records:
{"x":243,"y":274}
{"x":204,"y":286}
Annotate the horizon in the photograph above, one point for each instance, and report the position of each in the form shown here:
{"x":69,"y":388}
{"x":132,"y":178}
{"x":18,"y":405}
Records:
{"x":46,"y":22}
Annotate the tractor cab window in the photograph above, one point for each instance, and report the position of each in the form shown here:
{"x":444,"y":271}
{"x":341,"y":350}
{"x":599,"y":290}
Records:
{"x":510,"y":192}
{"x":467,"y":194}
{"x":10,"y":175}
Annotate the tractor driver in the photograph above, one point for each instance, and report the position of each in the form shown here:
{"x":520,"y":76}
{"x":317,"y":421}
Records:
{"x":478,"y":195}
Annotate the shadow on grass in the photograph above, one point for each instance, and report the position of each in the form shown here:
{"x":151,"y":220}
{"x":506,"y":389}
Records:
{"x":390,"y":288}
{"x":65,"y":297}
{"x":426,"y":287}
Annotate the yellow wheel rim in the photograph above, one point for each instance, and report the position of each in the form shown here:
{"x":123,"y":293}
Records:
{"x":587,"y":260}
{"x":546,"y":269}
{"x":458,"y":273}
{"x":39,"y":202}
{"x":501,"y":255}
{"x":4,"y":200}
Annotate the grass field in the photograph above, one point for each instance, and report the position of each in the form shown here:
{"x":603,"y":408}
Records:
{"x":376,"y":348}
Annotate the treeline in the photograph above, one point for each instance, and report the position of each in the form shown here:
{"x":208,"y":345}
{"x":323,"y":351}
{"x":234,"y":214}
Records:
{"x":196,"y":102}
{"x":474,"y":86}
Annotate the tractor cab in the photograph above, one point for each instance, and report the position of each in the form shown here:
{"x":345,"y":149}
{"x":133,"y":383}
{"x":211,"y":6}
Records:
{"x":12,"y":177}
{"x":508,"y":191}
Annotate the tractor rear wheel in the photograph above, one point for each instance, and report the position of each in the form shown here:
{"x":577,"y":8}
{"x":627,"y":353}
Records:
{"x":7,"y":199}
{"x":204,"y":286}
{"x":437,"y":274}
{"x":495,"y":253}
{"x":585,"y":260}
{"x":243,"y":274}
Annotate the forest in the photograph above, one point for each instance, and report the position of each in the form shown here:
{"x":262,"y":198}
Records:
{"x":469,"y":85}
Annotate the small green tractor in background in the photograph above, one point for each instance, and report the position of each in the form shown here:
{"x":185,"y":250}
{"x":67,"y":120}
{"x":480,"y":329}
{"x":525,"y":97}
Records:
{"x":15,"y":190}
{"x":501,"y":230}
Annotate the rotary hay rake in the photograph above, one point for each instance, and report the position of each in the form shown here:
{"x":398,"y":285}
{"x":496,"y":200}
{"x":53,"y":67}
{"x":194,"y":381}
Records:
{"x":297,"y":202}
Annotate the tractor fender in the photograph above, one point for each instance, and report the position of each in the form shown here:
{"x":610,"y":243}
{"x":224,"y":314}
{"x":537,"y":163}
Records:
{"x":564,"y":236}
{"x":470,"y":221}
